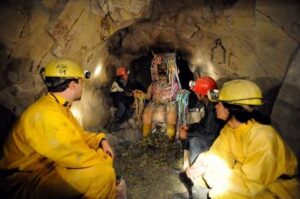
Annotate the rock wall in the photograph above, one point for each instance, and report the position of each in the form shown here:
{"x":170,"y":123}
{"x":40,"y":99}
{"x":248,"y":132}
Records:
{"x":256,"y":40}
{"x":286,"y":109}
{"x":34,"y":32}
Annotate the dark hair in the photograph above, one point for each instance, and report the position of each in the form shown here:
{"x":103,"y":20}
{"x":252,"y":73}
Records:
{"x":58,"y":84}
{"x":243,"y":115}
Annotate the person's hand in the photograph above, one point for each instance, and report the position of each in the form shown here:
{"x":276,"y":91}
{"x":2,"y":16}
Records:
{"x":107,"y":148}
{"x":121,"y":190}
{"x":183,"y":132}
{"x":196,"y":170}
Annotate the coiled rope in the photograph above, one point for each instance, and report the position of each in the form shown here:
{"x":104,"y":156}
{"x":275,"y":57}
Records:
{"x":182,"y":99}
{"x":139,"y":103}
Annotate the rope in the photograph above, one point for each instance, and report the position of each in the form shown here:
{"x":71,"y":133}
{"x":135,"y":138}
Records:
{"x":139,"y":102}
{"x":157,"y":59}
{"x":182,"y":96}
{"x":182,"y":99}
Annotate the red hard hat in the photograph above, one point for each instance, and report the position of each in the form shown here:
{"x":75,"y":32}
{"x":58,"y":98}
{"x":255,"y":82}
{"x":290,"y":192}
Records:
{"x":121,"y":71}
{"x":203,"y":84}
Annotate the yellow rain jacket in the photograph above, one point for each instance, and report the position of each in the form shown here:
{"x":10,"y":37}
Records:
{"x":251,"y":161}
{"x":48,"y":148}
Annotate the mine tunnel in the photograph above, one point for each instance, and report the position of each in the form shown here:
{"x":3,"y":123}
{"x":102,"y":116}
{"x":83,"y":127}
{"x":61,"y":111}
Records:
{"x":227,"y":40}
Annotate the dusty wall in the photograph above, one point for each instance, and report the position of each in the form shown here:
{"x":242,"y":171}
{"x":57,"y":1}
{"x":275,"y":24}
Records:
{"x":257,"y":40}
{"x":34,"y":32}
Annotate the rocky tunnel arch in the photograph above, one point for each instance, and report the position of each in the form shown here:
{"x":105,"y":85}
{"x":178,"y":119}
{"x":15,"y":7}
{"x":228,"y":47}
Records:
{"x":259,"y":40}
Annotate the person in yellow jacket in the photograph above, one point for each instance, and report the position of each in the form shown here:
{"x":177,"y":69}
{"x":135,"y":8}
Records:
{"x":48,"y":154}
{"x":249,"y":159}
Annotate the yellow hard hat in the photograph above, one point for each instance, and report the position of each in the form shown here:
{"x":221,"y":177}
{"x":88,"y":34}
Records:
{"x":65,"y":68}
{"x":239,"y":92}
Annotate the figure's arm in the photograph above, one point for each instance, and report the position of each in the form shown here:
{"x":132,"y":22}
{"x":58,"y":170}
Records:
{"x":149,"y":92}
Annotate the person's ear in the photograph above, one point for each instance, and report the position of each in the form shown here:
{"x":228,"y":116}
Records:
{"x":72,"y":84}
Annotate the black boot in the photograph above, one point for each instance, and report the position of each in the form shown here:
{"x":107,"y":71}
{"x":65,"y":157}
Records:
{"x":115,"y":125}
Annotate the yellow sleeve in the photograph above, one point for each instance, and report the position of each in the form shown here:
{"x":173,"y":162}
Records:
{"x":92,"y":139}
{"x":55,"y":136}
{"x":216,"y":160}
{"x":221,"y":148}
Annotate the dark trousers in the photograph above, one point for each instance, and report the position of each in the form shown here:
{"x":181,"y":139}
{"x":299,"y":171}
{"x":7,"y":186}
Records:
{"x":196,"y":145}
{"x":123,"y":112}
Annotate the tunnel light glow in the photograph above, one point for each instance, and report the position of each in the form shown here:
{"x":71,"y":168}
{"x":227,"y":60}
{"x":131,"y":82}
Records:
{"x":215,"y":172}
{"x":76,"y":113}
{"x":218,"y":174}
{"x":206,"y":66}
{"x":211,"y":69}
{"x":97,"y":70}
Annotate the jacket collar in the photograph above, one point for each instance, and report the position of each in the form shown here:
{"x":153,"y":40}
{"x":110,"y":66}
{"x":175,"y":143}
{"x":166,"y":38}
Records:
{"x":59,"y":99}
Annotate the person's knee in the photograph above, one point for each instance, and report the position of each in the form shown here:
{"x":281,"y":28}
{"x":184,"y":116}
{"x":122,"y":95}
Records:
{"x":103,"y":182}
{"x":104,"y":173}
{"x":200,"y":144}
{"x":172,"y":117}
{"x":109,"y":173}
{"x":146,"y":130}
{"x":194,"y":142}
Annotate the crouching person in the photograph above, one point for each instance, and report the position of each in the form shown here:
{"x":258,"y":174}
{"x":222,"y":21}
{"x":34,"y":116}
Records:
{"x":48,"y":154}
{"x":249,"y":159}
{"x":198,"y":137}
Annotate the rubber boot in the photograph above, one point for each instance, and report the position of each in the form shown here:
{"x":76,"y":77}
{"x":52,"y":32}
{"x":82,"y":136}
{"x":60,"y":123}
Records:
{"x":115,"y":126}
{"x":170,"y":131}
{"x":146,"y":130}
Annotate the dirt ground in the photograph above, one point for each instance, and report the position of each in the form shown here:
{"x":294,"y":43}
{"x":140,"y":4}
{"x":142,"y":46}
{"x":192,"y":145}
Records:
{"x":149,"y":168}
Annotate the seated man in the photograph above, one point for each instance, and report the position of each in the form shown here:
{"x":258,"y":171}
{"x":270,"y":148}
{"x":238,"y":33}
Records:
{"x":198,"y":137}
{"x":162,"y":105}
{"x":122,"y":95}
{"x":48,"y":154}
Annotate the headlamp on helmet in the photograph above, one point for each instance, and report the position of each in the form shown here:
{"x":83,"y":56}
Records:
{"x":192,"y":83}
{"x":202,"y":85}
{"x":87,"y":74}
{"x":213,"y":95}
{"x":238,"y":92}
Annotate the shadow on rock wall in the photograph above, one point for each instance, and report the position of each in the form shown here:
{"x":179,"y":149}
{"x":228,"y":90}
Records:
{"x":286,"y":116}
{"x":270,"y":88}
{"x":20,"y":84}
{"x":7,"y":119}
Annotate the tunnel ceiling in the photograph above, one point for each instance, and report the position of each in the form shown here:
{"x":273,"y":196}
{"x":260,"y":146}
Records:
{"x":257,"y":40}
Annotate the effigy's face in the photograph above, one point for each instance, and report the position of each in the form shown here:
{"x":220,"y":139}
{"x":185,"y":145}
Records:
{"x":163,"y":78}
{"x":163,"y":66}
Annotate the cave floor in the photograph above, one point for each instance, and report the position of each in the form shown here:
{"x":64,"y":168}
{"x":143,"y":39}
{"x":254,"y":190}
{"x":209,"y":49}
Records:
{"x":149,"y":168}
